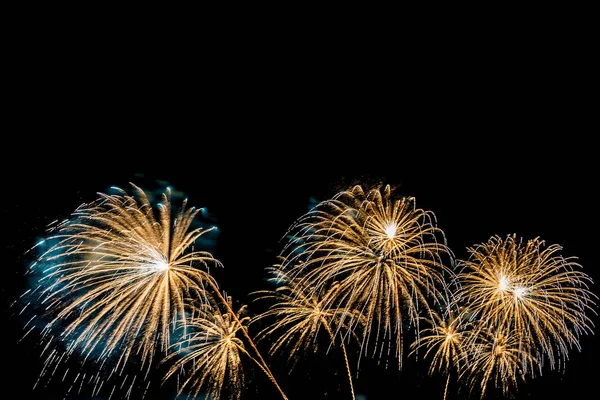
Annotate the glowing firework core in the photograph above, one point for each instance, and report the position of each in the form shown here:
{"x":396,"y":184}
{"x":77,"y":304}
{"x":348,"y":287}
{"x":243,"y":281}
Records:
{"x":499,"y":350}
{"x":161,"y":265}
{"x":390,"y":230}
{"x":503,"y":284}
{"x":519,"y":292}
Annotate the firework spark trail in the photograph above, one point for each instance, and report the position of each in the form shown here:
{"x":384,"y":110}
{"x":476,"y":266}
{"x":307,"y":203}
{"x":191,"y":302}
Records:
{"x":531,"y":290}
{"x":386,"y":255}
{"x":299,"y":313}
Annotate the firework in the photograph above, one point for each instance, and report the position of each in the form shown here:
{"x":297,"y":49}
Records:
{"x":530,"y":290}
{"x":211,"y":352}
{"x":445,"y":340}
{"x":385,"y":254}
{"x":499,"y":355}
{"x":115,"y":277}
{"x":299,"y":314}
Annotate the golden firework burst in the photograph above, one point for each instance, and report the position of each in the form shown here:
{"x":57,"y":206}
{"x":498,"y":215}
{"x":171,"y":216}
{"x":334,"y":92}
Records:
{"x":529,"y":289}
{"x":210,"y":352}
{"x":387,"y":257}
{"x":116,"y":276}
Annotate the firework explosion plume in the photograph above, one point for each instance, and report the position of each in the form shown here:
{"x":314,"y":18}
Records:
{"x":386,"y":255}
{"x":531,"y":290}
{"x":115,"y":276}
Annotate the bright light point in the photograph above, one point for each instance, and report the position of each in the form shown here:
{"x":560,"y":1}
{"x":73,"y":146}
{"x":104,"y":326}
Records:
{"x":499,"y":350}
{"x":519,"y":292}
{"x":390,"y":230}
{"x":503,"y":284}
{"x":162,"y":265}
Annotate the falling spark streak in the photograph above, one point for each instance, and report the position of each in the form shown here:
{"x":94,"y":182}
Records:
{"x":384,"y":253}
{"x":299,"y":313}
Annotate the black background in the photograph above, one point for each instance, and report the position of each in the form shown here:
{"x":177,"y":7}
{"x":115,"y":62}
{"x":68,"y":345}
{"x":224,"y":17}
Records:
{"x":491,"y":143}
